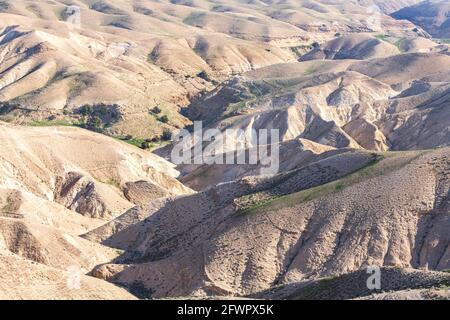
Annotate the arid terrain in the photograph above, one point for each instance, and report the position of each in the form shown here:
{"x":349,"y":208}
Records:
{"x":93,"y":205}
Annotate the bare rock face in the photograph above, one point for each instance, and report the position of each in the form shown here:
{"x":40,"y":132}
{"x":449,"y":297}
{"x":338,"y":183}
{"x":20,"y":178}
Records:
{"x":367,"y":135}
{"x":142,"y":193}
{"x":80,"y":194}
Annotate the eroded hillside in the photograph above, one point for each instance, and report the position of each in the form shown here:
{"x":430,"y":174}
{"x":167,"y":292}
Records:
{"x":135,"y":64}
{"x":249,"y":235}
{"x":359,"y":91}
{"x":57,"y":184}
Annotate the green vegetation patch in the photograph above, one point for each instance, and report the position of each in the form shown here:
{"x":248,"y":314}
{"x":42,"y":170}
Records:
{"x":113,"y":182}
{"x":398,"y":44}
{"x":382,"y":37}
{"x":309,"y":71}
{"x":369,"y":171}
{"x":53,"y":123}
{"x":236,"y":107}
{"x":316,"y":192}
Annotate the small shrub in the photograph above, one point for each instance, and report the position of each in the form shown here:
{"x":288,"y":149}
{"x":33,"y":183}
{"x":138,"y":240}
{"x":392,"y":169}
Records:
{"x":6,"y":107}
{"x":204,"y":75}
{"x":166,"y":136}
{"x":94,"y":123}
{"x":86,"y":110}
{"x":152,"y":140}
{"x":113,"y":182}
{"x":145,"y":145}
{"x":164,"y":119}
{"x":137,"y":142}
{"x":156,"y":110}
{"x":127,"y":137}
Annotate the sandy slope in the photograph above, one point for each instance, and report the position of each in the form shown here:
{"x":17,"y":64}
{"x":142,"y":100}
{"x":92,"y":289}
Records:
{"x":56,"y":184}
{"x":395,"y":283}
{"x":70,"y":198}
{"x":431,"y":15}
{"x":138,"y":55}
{"x":23,"y":279}
{"x":293,"y":154}
{"x":54,"y":152}
{"x":227,"y":245}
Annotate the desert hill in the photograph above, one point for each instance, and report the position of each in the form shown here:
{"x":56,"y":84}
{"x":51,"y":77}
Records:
{"x":359,"y":94}
{"x":374,"y":103}
{"x":25,"y":280}
{"x":309,"y":232}
{"x":357,"y":46}
{"x":126,"y":59}
{"x":432,"y":15}
{"x":293,"y":153}
{"x":54,"y":188}
{"x":422,"y":285}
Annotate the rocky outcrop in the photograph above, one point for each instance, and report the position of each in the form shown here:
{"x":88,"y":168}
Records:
{"x":85,"y":196}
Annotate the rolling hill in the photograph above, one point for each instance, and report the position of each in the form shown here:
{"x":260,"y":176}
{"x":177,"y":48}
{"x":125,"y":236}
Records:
{"x":129,"y":58}
{"x":250,"y":235}
{"x":91,"y":206}
{"x":431,"y":15}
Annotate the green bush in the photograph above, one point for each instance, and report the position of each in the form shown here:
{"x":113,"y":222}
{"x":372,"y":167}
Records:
{"x":156,"y":110}
{"x":166,"y":136}
{"x":204,"y":75}
{"x":145,"y":145}
{"x":94,"y":123}
{"x":164,"y":119}
{"x":86,"y":110}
